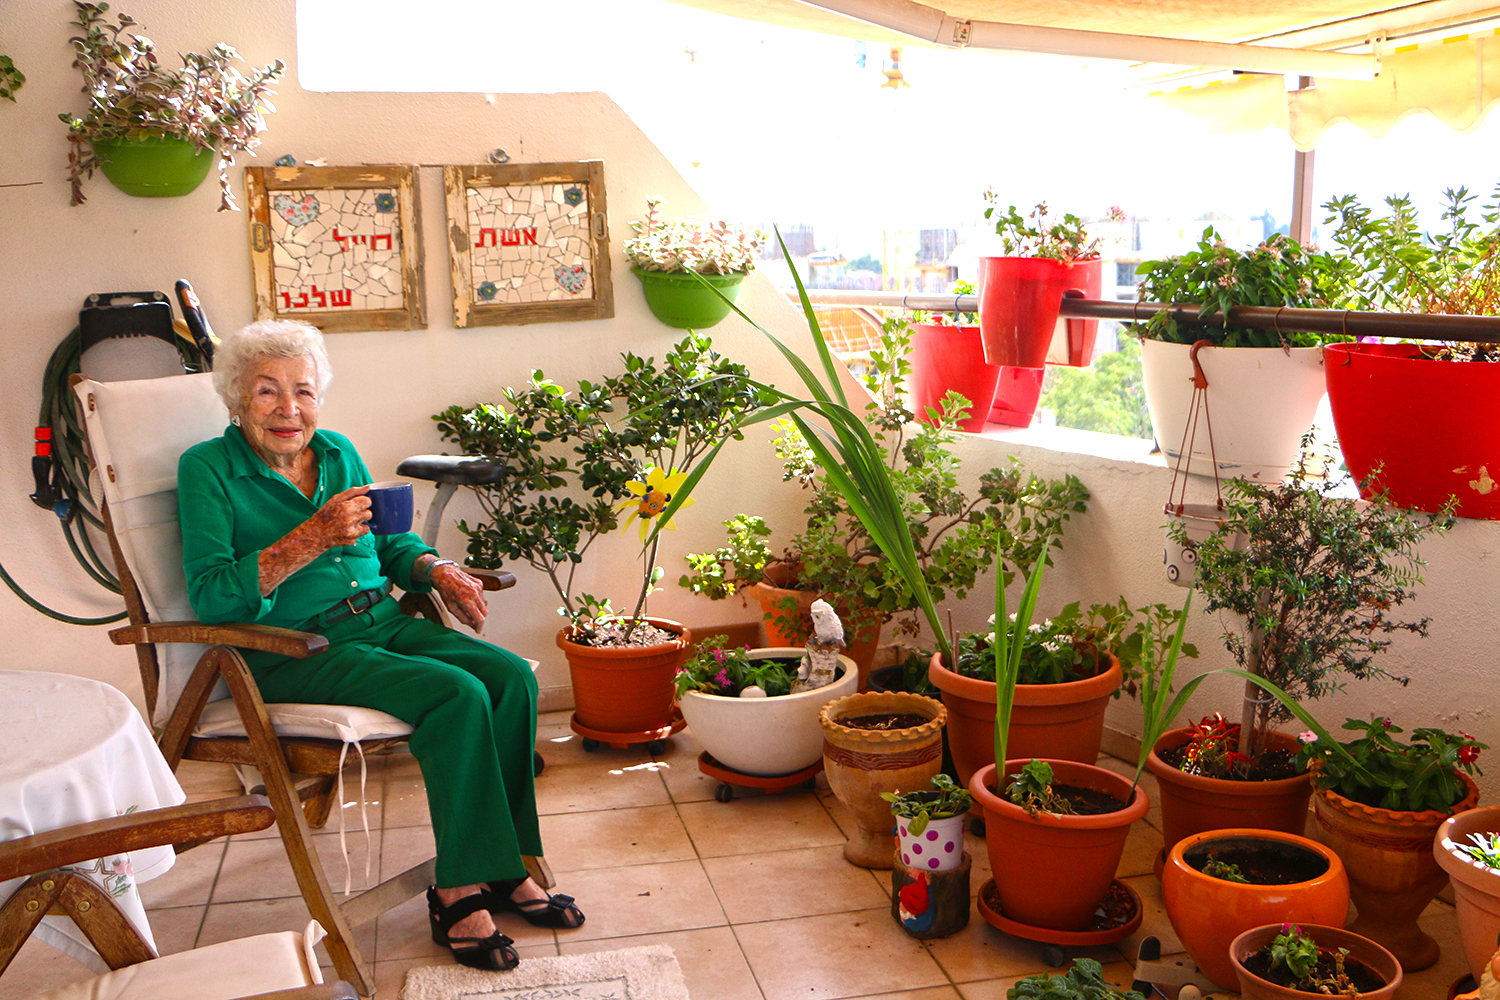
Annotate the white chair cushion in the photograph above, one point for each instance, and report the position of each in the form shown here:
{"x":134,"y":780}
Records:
{"x":348,"y":723}
{"x":241,"y":968}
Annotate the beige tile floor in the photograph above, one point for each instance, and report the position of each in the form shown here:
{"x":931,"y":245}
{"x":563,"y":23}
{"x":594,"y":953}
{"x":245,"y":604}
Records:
{"x":753,"y":895}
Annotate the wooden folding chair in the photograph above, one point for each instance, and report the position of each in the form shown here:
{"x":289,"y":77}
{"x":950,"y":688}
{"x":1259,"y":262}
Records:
{"x":204,"y":701}
{"x":279,"y":966}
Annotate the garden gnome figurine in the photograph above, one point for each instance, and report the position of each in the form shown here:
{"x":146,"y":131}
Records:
{"x":822,"y":656}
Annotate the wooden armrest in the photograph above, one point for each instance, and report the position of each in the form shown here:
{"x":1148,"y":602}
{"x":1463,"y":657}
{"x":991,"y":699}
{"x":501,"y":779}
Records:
{"x":264,"y":638}
{"x":153,"y":828}
{"x":324,"y":991}
{"x":493,"y":579}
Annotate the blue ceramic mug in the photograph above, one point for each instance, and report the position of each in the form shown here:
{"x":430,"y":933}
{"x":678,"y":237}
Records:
{"x":390,"y":508}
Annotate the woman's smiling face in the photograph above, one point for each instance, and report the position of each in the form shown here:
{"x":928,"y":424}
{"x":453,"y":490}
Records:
{"x":279,"y":408}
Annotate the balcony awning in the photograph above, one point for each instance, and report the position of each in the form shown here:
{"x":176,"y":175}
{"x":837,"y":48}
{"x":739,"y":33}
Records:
{"x":1438,"y":56}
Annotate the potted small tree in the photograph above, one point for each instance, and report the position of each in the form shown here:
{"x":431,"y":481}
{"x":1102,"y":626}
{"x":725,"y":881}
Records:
{"x":1314,"y":587}
{"x":1402,"y":409}
{"x":1014,"y":518}
{"x":1264,"y":387}
{"x":570,"y":472}
{"x":681,"y":260}
{"x":154,"y":131}
{"x":1379,"y":804}
{"x":1020,"y":293}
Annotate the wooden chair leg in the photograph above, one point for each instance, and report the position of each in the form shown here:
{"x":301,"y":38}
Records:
{"x":291,"y":821}
{"x":317,"y":796}
{"x":539,"y":870}
{"x":74,"y":895}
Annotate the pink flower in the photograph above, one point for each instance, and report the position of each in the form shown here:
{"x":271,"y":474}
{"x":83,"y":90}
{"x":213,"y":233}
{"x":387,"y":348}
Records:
{"x":122,"y":867}
{"x":718,"y":656}
{"x":722,"y":678}
{"x":1468,"y":754}
{"x":1308,"y":737}
{"x":1386,"y":722}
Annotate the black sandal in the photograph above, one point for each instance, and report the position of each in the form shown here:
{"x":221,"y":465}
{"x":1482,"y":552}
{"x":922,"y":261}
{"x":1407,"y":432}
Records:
{"x":556,"y":911}
{"x":494,"y":952}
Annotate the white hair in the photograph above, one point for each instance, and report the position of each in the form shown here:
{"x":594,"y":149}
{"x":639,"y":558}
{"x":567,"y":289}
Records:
{"x":277,"y":338}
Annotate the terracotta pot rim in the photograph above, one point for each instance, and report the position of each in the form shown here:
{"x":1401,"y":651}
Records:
{"x":1385,"y":963}
{"x":1484,"y":819}
{"x":684,"y":636}
{"x":1173,"y":738}
{"x":1100,"y":685}
{"x":878,"y":702}
{"x":1400,"y":817}
{"x":990,"y":802}
{"x":1176,"y":860}
{"x":780,"y":699}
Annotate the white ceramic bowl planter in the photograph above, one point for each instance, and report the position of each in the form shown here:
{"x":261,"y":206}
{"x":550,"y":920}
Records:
{"x":1261,"y":401}
{"x":766,"y":736}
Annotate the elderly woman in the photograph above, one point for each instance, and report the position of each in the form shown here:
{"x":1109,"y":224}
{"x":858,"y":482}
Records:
{"x":273,"y":528}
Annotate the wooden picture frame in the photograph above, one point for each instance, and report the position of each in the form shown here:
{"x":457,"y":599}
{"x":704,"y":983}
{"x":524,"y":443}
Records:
{"x":528,"y":243}
{"x":354,"y":229}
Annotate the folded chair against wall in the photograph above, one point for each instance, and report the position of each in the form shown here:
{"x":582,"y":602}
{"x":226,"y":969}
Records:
{"x":204,"y":701}
{"x":279,"y":966}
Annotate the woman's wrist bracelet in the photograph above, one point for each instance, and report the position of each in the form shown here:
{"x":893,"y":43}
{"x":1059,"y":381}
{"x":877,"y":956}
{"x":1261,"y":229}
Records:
{"x":432,"y":567}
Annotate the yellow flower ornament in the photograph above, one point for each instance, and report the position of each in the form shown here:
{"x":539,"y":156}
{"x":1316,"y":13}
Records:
{"x":651,"y":497}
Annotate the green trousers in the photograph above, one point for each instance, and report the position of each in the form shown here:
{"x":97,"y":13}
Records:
{"x":472,"y":709}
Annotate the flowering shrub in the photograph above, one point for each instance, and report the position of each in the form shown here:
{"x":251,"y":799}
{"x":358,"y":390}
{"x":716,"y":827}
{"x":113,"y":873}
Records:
{"x":712,"y":669}
{"x":208,"y":102}
{"x":1067,"y":241}
{"x":1278,"y":272}
{"x":1378,"y":771}
{"x":708,"y":246}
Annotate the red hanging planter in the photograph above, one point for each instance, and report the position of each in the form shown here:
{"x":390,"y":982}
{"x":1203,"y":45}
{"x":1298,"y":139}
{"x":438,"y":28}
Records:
{"x":1088,"y":277}
{"x":1019,"y":298}
{"x":952,"y":357}
{"x":1428,"y":426}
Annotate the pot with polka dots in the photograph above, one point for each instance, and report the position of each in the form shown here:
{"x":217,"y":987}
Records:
{"x":938,"y":848}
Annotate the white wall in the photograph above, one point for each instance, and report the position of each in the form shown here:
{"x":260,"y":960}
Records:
{"x":387,"y":384}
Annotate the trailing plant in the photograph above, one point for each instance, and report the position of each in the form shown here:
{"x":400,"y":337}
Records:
{"x":11,"y":79}
{"x":131,"y":96}
{"x":1314,"y":585}
{"x":1278,"y":272}
{"x":706,"y":246}
{"x":1032,"y":235}
{"x":1484,"y":849}
{"x":1225,"y":871}
{"x":1031,"y":789}
{"x":1393,"y":265}
{"x":1379,"y":771}
{"x":1014,"y":518}
{"x":945,"y":800}
{"x":1084,"y":981}
{"x":715,"y":669}
{"x":571,"y":465}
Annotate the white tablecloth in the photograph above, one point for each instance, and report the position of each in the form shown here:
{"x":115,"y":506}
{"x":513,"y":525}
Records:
{"x":72,"y":751}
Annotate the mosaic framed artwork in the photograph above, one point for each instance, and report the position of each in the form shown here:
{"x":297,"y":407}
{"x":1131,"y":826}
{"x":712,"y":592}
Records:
{"x":528,"y":243}
{"x":338,"y":247}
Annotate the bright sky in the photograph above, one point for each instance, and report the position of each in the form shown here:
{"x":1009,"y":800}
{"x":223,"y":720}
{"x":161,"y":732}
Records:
{"x":775,"y":125}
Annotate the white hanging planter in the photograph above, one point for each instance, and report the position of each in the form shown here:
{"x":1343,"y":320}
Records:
{"x":1261,"y":400}
{"x":1199,"y":520}
{"x":766,"y":736}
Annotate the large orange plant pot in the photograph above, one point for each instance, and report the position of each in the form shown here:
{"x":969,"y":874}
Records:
{"x":1207,"y":913}
{"x":1049,"y":721}
{"x":1052,"y":871}
{"x":1252,"y":987}
{"x":773,"y":594}
{"x":1393,"y":874}
{"x":626,"y":691}
{"x":1192,"y":804}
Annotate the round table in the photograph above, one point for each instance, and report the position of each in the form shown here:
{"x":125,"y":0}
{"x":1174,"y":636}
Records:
{"x":73,"y":750}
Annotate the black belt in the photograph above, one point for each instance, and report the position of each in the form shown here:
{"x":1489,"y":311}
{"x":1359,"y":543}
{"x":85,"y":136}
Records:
{"x":347,"y":608}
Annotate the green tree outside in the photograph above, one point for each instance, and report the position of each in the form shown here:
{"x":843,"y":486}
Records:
{"x":1105,"y":397}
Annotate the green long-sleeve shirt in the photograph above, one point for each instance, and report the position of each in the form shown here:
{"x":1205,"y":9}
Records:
{"x":231,"y":505}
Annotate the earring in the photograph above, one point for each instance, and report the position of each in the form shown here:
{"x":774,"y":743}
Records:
{"x":235,"y":420}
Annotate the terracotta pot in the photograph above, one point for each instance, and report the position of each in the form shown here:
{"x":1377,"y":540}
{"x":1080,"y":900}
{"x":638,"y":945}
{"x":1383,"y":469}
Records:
{"x":765,"y":736}
{"x":1207,"y":913}
{"x":1393,"y":874}
{"x":626,"y":690}
{"x":1048,"y":721}
{"x":1252,"y":987}
{"x":1192,"y":804}
{"x":862,"y":763}
{"x":1052,"y":871}
{"x":771,"y":594}
{"x":1476,"y":888}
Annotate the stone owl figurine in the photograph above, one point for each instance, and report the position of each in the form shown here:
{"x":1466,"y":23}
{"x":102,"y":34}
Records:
{"x":821,"y":660}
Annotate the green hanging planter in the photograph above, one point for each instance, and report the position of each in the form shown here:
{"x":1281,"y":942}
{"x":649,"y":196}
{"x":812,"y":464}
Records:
{"x":678,"y":299}
{"x":156,"y":167}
